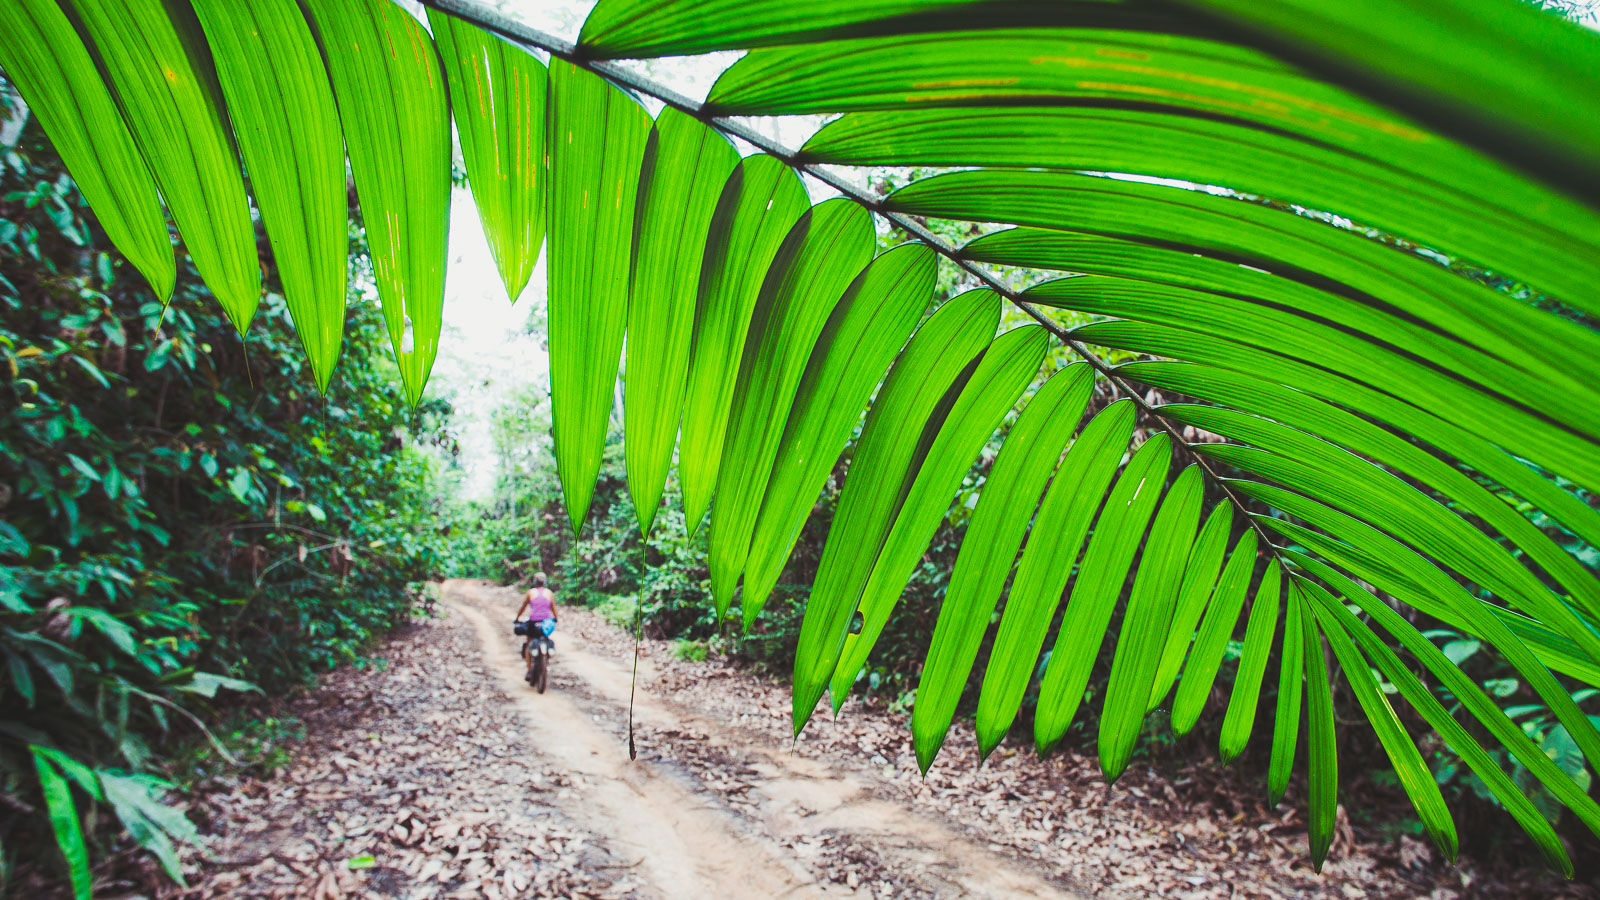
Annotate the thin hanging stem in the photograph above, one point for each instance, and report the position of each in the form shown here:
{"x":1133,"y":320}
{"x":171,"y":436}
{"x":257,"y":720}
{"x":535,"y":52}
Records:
{"x":533,"y":38}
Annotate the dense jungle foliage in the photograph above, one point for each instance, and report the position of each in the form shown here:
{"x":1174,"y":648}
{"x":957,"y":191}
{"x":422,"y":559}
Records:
{"x":182,"y":517}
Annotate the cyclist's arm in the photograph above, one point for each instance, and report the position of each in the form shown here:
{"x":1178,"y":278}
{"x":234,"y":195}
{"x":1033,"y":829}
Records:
{"x":521,"y":608}
{"x":553,"y":616}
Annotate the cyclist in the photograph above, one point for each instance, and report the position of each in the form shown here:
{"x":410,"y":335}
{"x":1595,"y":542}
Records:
{"x":540,"y":604}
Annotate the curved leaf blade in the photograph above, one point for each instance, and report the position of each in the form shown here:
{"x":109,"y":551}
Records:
{"x":1199,"y":578}
{"x":823,"y":253}
{"x":1291,"y":689}
{"x":288,"y":132}
{"x":597,"y":145}
{"x":762,"y":200}
{"x":1008,"y":366}
{"x":396,"y":115}
{"x":914,"y":399}
{"x":1241,"y":715}
{"x":1147,"y":622}
{"x":159,"y":70}
{"x":868,"y":327}
{"x":1116,"y":538}
{"x":500,"y":97}
{"x":1010,"y":495}
{"x":1211,"y":641}
{"x":1053,"y":543}
{"x":684,"y":173}
{"x":44,"y":57}
{"x":1415,"y":777}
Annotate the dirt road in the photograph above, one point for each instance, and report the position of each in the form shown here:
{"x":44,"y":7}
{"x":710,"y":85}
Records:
{"x":444,"y":775}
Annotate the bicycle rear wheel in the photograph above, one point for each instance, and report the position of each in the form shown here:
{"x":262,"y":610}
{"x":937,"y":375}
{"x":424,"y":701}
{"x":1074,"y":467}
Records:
{"x":543,"y":672}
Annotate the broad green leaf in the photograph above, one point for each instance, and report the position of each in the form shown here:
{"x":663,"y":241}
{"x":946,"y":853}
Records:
{"x":1539,"y":236}
{"x":1241,"y":716}
{"x":396,"y":114}
{"x":1230,"y":230}
{"x":1117,"y":535}
{"x":43,"y":56}
{"x":1254,"y":327}
{"x":1006,"y":504}
{"x":761,"y":201}
{"x":499,"y":95}
{"x":911,"y":405}
{"x":283,"y":113}
{"x":1469,"y":447}
{"x":1322,"y":751}
{"x":160,"y":72}
{"x":114,"y":629}
{"x":1054,"y":540}
{"x":1354,"y":485}
{"x":1357,"y":435}
{"x":1199,"y":577}
{"x":64,"y":821}
{"x":1555,"y":651}
{"x":867,"y":328}
{"x":823,"y":253}
{"x":206,"y":684}
{"x":1392,"y":567}
{"x":84,"y":776}
{"x":1211,"y":641}
{"x":1526,"y":375}
{"x":645,"y":28}
{"x":1467,"y":691}
{"x":136,"y":801}
{"x":685,"y":169}
{"x":1413,"y":772}
{"x":1291,"y":684}
{"x":1008,"y":366}
{"x":1147,"y":621}
{"x":597,"y":145}
{"x":1504,"y":75}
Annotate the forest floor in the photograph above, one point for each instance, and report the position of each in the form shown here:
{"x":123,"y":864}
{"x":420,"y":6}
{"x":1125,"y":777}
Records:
{"x":442,"y":774}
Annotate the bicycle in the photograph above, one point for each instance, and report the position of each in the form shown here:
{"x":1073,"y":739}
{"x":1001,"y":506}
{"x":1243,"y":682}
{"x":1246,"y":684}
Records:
{"x":536,"y":649}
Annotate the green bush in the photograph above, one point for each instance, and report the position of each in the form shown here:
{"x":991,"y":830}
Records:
{"x":182,"y":514}
{"x":689,"y":651}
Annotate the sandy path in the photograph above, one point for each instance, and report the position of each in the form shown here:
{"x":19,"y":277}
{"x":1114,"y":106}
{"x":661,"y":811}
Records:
{"x":439,"y":773}
{"x":689,"y":842}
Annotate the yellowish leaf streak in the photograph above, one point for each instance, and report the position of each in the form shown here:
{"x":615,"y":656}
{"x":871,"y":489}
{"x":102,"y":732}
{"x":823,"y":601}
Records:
{"x":1392,"y":128}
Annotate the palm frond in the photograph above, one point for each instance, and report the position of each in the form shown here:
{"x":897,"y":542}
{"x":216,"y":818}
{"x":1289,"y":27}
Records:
{"x":1357,"y":244}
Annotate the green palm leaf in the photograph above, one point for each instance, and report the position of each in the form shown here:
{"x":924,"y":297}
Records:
{"x":867,"y":328}
{"x":912,"y":404}
{"x":1057,"y":534}
{"x":44,"y":58}
{"x":761,"y":201}
{"x":598,"y":139}
{"x":500,"y":98}
{"x":1147,"y":621}
{"x":1025,"y":464}
{"x":396,"y":115}
{"x":684,"y":173}
{"x":160,"y":71}
{"x":823,"y":253}
{"x":999,"y":379}
{"x":1357,"y":243}
{"x":1117,"y":535}
{"x":283,"y":113}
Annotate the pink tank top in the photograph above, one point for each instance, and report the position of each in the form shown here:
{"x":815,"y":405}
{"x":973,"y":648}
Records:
{"x":541,"y":604}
